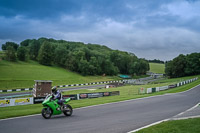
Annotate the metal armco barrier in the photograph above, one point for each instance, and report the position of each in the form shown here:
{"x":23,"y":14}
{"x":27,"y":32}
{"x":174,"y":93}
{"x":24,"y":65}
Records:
{"x":73,"y":97}
{"x":15,"y":102}
{"x":172,"y":86}
{"x":91,"y":95}
{"x":98,"y":94}
{"x":80,"y":96}
{"x":38,"y":99}
{"x":163,"y":88}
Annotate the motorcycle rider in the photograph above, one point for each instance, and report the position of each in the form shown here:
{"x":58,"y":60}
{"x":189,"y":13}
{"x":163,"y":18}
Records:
{"x":57,"y":95}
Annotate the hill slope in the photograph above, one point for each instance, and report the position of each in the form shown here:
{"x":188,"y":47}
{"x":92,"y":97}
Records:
{"x":23,"y":74}
{"x":157,"y":68}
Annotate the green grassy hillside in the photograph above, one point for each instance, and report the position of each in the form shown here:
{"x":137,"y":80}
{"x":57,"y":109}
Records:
{"x":157,"y":68}
{"x":22,"y":75}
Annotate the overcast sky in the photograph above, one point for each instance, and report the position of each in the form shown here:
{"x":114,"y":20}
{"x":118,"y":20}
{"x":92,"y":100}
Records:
{"x":151,"y":29}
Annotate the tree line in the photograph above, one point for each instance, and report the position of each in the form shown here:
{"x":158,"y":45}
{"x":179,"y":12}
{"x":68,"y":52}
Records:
{"x":183,"y":65}
{"x":156,"y":61}
{"x":86,"y":59}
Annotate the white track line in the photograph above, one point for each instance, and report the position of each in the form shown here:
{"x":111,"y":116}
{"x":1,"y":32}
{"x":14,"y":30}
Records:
{"x":187,"y":110}
{"x":183,"y":118}
{"x":148,"y":126}
{"x":197,"y":116}
{"x":103,"y":104}
{"x":19,"y":117}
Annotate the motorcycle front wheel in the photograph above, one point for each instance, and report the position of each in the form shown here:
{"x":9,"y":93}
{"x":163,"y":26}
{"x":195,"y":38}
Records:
{"x":67,"y":110}
{"x":46,"y":113}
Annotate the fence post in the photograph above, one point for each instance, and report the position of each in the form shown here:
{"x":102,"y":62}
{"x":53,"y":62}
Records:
{"x":77,"y":96}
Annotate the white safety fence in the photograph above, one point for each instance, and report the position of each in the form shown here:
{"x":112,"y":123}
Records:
{"x":156,"y":89}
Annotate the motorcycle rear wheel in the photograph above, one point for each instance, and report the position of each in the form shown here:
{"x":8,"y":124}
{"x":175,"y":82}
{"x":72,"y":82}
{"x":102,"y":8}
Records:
{"x":67,"y":110}
{"x":46,"y":113}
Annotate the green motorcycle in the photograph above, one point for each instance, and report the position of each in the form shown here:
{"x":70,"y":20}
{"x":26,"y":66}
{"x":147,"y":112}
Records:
{"x":51,"y":107}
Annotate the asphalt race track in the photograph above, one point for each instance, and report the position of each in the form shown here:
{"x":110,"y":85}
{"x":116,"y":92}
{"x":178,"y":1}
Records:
{"x":119,"y":117}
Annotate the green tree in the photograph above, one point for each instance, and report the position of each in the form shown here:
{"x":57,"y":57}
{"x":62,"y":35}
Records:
{"x":77,"y":57}
{"x":61,"y":55}
{"x":169,"y":68}
{"x":179,"y":64}
{"x":25,"y":43}
{"x":87,"y":59}
{"x":11,"y":44}
{"x":70,"y":63}
{"x":3,"y":47}
{"x":94,"y":68}
{"x":34,"y":48}
{"x":45,"y":54}
{"x":83,"y":67}
{"x":22,"y":53}
{"x":108,"y":68}
{"x":10,"y":54}
{"x":193,"y":64}
{"x":144,"y":67}
{"x":176,"y":67}
{"x":134,"y":68}
{"x":157,"y":61}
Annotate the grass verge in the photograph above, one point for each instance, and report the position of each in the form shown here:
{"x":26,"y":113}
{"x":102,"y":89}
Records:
{"x":178,"y":126}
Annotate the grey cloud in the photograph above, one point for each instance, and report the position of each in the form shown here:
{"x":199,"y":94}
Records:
{"x":150,"y":29}
{"x":161,"y":43}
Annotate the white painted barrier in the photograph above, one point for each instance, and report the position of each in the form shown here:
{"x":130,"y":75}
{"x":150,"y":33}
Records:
{"x":149,"y":90}
{"x":157,"y":89}
{"x":177,"y":84}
